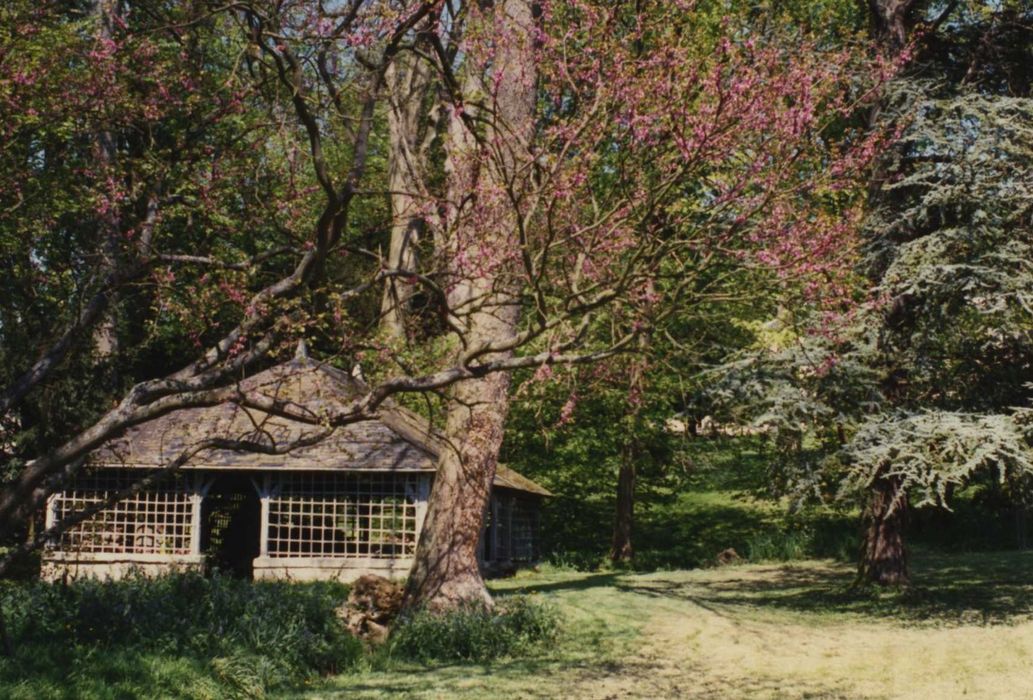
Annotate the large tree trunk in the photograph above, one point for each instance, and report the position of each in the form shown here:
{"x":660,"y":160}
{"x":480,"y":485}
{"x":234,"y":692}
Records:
{"x":446,"y":573}
{"x":884,"y":560}
{"x":408,"y":81}
{"x":621,"y":549}
{"x":483,"y":299}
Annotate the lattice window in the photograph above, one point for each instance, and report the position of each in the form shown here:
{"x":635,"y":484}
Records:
{"x":155,"y":521}
{"x":343,"y":515}
{"x":524,"y":530}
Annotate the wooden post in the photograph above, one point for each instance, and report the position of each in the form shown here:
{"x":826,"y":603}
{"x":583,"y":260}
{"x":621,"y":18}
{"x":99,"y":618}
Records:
{"x":536,"y":530}
{"x":422,"y":496}
{"x":196,"y":500}
{"x":263,"y":534}
{"x":202,"y":484}
{"x":52,"y":509}
{"x":509,"y":527}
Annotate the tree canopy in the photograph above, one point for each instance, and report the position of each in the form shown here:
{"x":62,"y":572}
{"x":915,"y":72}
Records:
{"x":447,"y":192}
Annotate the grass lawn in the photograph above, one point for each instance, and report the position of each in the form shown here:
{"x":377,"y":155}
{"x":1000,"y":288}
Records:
{"x":760,"y":631}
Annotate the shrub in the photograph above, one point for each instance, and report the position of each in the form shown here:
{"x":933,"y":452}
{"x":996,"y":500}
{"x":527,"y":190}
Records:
{"x":516,"y":625}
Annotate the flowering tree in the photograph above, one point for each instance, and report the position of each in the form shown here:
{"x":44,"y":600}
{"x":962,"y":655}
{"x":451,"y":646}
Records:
{"x":574,"y":222}
{"x":595,"y":161}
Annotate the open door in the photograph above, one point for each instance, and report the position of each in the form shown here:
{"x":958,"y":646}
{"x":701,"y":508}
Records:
{"x":231,"y":521}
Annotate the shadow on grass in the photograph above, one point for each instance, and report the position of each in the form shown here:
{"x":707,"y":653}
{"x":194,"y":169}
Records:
{"x":694,"y":533}
{"x":581,"y":583}
{"x":979,"y":588}
{"x":589,"y":679}
{"x":442,"y":680}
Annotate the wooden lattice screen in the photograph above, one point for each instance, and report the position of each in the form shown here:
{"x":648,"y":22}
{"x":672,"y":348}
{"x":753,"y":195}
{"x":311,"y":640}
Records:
{"x":343,"y":515}
{"x":159,"y":520}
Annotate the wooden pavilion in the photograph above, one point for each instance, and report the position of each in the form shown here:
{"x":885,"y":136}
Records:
{"x":351,"y":504}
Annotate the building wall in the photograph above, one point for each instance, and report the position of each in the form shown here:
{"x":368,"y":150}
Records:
{"x":314,"y":526}
{"x":70,"y":566}
{"x":329,"y":569}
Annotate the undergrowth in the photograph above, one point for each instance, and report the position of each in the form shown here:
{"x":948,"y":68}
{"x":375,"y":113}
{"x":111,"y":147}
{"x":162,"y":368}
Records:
{"x":173,"y":636}
{"x":188,"y":636}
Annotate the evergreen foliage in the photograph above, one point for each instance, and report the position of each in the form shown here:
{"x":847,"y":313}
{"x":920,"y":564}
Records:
{"x":952,"y":247}
{"x":934,"y":452}
{"x":950,"y":238}
{"x":928,"y":384}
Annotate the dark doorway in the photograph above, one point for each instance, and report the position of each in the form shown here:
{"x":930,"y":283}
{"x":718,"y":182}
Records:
{"x":231,"y":517}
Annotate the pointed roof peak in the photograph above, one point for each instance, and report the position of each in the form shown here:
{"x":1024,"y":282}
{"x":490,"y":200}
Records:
{"x":301,"y":352}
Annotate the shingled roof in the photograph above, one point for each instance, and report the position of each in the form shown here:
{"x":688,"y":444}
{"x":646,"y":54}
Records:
{"x":398,"y":441}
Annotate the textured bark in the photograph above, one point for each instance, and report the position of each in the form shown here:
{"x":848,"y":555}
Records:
{"x":884,"y":559}
{"x":446,"y":573}
{"x":408,"y":81}
{"x":621,"y":549}
{"x":483,"y":297}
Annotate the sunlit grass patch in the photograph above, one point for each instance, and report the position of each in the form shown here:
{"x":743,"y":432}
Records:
{"x":779,"y":630}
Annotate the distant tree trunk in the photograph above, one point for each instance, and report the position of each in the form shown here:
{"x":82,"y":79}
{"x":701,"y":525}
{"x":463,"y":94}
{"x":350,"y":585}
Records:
{"x":621,"y":550}
{"x":884,"y":560}
{"x":483,"y":297}
{"x":105,"y":333}
{"x":408,"y":80}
